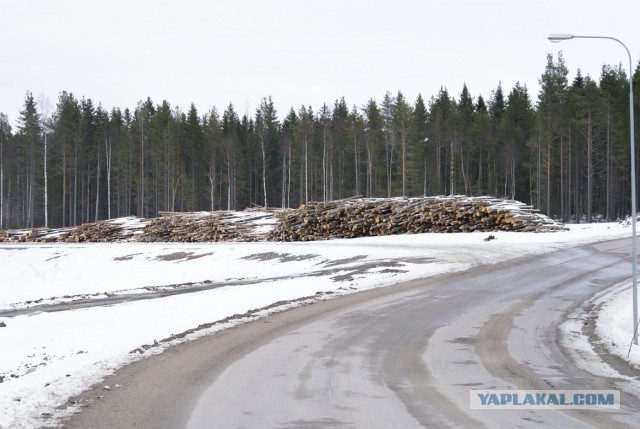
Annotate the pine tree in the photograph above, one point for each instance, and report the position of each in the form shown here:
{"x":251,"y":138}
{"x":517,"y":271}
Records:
{"x":586,"y":104}
{"x":358,"y":130}
{"x":517,"y":131}
{"x":324,"y":122}
{"x":481,"y":135}
{"x":304,"y":132}
{"x":420,"y":160}
{"x":230,"y":142}
{"x":467,"y":147}
{"x":614,"y":86}
{"x":287,"y":143}
{"x":552,"y":103}
{"x":339,"y":161}
{"x":389,"y":131}
{"x":375,"y":147}
{"x":402,"y":123}
{"x":497,"y":107}
{"x":215,"y":140}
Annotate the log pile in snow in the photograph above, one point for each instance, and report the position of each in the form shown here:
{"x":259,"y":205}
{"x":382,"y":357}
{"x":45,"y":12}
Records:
{"x":204,"y":227}
{"x":348,"y":218}
{"x":373,"y":217}
{"x":123,"y":229}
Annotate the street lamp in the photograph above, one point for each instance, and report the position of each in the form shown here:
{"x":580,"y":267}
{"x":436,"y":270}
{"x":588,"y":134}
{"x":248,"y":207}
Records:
{"x":634,"y":252}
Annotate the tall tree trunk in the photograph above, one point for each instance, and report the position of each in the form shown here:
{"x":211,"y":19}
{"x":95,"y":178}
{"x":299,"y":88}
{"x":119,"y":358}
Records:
{"x":212,"y":181}
{"x":480,"y":179}
{"x":589,"y":167}
{"x":264,"y":170}
{"x":452,"y":165}
{"x":539,"y":169}
{"x":369,"y":186}
{"x":107,"y":143}
{"x":75,"y":182}
{"x":355,"y":160}
{"x":229,"y":179}
{"x":32,"y":182}
{"x":438,"y":159}
{"x":404,"y":162}
{"x":97,"y":186}
{"x":306,"y":169}
{"x":289,"y":179}
{"x":570,"y":181}
{"x":562,"y":178}
{"x":64,"y":183}
{"x":283,"y":185}
{"x":548,"y":172}
{"x":331,"y":182}
{"x":609,"y":190}
{"x":141,"y":189}
{"x":46,"y":192}
{"x":389,"y":168}
{"x":325,"y":171}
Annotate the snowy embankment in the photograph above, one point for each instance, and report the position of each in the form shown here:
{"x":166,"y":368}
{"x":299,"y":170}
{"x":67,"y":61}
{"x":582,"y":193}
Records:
{"x":49,"y":356}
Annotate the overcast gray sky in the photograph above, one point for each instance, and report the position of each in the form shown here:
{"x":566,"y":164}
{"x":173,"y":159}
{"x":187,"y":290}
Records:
{"x":212,"y":52}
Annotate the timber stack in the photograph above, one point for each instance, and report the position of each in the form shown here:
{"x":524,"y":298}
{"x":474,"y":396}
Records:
{"x":200,"y":228}
{"x":102,"y":231}
{"x":374,"y":217}
{"x":349,"y":218}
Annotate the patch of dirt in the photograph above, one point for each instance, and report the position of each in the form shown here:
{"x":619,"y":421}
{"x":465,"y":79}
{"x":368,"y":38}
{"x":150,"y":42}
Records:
{"x":365,"y":268}
{"x":391,"y":271}
{"x":344,"y":261}
{"x":126,"y":257}
{"x":417,"y":260}
{"x":181,"y":256}
{"x":57,"y":255}
{"x":281,"y":257}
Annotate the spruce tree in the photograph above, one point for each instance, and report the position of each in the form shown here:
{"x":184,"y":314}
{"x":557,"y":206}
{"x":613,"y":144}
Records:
{"x":29,"y":133}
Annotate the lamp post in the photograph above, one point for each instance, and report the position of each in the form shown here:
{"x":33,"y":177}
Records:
{"x":634,"y":252}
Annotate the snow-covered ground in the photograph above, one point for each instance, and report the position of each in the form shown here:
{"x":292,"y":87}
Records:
{"x":46,"y":357}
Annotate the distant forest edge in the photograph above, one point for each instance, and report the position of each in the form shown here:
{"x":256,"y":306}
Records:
{"x":567,"y":154}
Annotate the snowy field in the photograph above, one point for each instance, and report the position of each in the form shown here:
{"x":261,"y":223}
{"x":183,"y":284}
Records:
{"x":46,"y":357}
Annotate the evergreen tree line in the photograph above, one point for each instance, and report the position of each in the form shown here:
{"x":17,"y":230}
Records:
{"x":567,"y":153}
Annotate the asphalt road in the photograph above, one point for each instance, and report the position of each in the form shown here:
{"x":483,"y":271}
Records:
{"x":405,"y":356}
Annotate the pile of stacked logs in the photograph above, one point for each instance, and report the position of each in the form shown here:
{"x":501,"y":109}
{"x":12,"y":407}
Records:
{"x":374,"y":217}
{"x":199,"y":228}
{"x":348,"y":218}
{"x":95,"y":232}
{"x":195,"y":227}
{"x":23,"y":235}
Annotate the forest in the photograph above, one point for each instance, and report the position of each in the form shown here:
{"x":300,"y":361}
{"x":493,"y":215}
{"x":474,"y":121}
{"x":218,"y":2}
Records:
{"x":566,"y":152}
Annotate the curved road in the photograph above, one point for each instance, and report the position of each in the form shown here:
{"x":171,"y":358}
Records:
{"x":404,"y":356}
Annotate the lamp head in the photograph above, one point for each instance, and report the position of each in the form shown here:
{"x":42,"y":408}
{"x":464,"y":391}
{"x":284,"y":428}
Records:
{"x":556,"y":38}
